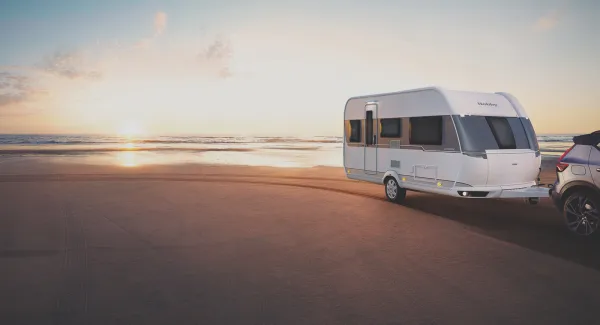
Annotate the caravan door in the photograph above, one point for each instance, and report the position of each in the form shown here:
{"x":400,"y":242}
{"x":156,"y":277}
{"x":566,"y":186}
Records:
{"x":371,"y":132}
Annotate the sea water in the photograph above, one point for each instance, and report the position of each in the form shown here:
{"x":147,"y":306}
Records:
{"x":239,"y":150}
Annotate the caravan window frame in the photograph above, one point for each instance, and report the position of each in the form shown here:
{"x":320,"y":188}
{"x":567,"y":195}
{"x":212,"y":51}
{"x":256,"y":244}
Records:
{"x":396,"y":135}
{"x":531,"y":134}
{"x":476,"y":135}
{"x":351,"y":139}
{"x":440,"y":128}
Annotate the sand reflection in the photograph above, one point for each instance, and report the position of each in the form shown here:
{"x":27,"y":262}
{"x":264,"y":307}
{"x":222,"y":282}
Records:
{"x":127,"y":159}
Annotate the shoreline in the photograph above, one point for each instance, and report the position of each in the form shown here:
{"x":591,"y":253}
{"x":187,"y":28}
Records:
{"x":548,"y":161}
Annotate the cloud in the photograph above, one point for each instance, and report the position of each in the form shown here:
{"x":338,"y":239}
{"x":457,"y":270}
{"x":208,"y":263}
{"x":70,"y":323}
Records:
{"x":68,"y":65}
{"x":144,"y":43}
{"x":216,"y":57}
{"x":549,"y":21}
{"x":218,"y":50}
{"x":15,"y":89}
{"x":160,"y":23}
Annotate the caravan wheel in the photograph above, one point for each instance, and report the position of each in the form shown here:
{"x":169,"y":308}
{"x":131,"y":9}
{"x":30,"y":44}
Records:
{"x":393,"y":192}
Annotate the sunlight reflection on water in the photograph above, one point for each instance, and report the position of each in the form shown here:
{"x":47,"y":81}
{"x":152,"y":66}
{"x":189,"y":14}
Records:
{"x":266,"y":157}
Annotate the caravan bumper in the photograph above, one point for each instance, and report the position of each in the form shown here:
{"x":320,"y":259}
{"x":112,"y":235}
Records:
{"x":528,"y":192}
{"x":503,"y":193}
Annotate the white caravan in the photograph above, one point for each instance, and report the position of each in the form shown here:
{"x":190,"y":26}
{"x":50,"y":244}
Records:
{"x":457,"y":143}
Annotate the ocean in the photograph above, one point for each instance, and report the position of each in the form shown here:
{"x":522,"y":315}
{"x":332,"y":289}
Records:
{"x":245,"y":150}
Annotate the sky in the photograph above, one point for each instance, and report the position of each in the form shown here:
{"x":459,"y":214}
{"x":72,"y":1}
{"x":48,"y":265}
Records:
{"x":283,"y":67}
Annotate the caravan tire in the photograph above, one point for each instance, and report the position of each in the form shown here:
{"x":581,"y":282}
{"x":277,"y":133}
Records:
{"x":393,"y":192}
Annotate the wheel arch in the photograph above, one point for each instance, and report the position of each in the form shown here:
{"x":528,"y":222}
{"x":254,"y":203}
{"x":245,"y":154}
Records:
{"x":390,"y":173}
{"x":573,"y":187}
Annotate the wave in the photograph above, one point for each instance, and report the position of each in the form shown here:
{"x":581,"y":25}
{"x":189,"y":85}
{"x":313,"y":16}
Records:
{"x":53,"y":151}
{"x":69,"y":140}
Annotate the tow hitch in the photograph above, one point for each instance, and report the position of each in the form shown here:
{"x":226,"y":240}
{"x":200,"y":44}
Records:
{"x":532,"y":200}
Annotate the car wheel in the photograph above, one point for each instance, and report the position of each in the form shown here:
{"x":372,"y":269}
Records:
{"x":393,"y":192}
{"x":581,"y":213}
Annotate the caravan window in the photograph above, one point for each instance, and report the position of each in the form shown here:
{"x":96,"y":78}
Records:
{"x":355,"y":128}
{"x":521,"y":139}
{"x":369,"y":128}
{"x":426,"y":130}
{"x":391,"y":127}
{"x":531,"y":136}
{"x":480,"y":133}
{"x":502,"y":132}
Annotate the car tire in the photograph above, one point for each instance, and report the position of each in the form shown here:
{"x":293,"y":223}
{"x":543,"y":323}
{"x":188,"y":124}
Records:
{"x":393,"y":191}
{"x":581,"y":212}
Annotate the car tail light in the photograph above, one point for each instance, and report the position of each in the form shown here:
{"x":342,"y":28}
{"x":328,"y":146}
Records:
{"x":560,"y":166}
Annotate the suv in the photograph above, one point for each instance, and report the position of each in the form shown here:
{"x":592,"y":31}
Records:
{"x":576,"y":191}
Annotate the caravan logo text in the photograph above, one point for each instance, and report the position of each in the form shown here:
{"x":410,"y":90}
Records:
{"x":486,"y":104}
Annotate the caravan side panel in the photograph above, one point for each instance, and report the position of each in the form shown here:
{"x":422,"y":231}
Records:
{"x":354,"y":157}
{"x":473,"y":171}
{"x":425,"y":164}
{"x":354,"y":152}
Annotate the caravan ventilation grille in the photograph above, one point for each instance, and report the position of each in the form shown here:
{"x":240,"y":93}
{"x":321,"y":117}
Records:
{"x":395,"y":164}
{"x":395,"y":144}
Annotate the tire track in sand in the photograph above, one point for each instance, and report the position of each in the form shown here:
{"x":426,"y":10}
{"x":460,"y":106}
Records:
{"x":72,"y":303}
{"x":208,"y":178}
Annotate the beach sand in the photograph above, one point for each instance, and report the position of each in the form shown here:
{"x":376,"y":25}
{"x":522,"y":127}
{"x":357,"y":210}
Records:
{"x":213,"y":244}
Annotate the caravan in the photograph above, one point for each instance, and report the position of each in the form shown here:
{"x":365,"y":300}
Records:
{"x":457,"y":143}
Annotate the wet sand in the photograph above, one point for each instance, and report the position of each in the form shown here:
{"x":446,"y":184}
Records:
{"x":190,"y":244}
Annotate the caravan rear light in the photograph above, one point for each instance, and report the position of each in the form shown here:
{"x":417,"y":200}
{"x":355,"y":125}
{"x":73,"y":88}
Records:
{"x":561,"y":166}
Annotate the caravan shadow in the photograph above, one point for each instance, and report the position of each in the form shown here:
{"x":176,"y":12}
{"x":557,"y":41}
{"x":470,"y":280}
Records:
{"x":537,"y":227}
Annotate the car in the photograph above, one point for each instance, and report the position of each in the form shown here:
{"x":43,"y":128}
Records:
{"x":576,"y":191}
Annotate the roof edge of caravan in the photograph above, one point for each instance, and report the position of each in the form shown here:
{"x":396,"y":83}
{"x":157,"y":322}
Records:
{"x":515,"y":104}
{"x":463,"y":102}
{"x":437,"y":88}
